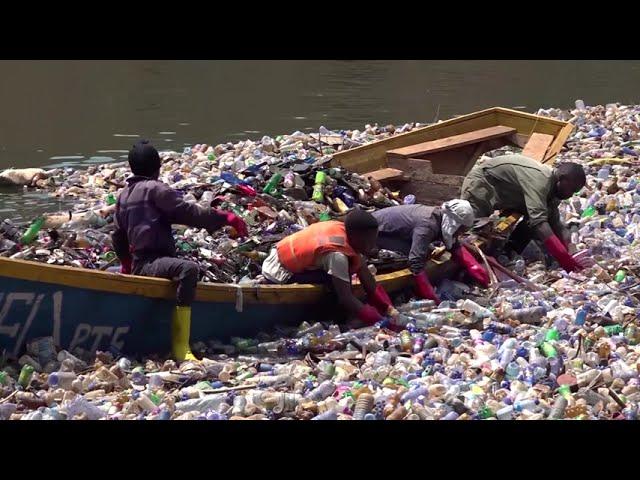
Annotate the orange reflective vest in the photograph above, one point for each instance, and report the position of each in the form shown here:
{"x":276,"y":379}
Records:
{"x":301,"y":250}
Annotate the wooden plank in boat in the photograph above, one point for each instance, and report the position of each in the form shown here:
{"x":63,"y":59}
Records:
{"x":537,"y":146}
{"x":386,"y":175}
{"x":557,"y":144}
{"x":452,"y":142}
{"x":416,"y":169}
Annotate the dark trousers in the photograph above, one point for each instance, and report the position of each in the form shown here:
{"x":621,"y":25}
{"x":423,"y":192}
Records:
{"x":521,"y":237}
{"x":184,"y":272}
{"x":393,"y":243}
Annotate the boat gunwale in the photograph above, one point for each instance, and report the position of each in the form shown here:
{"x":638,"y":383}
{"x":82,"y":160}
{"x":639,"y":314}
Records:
{"x":109,"y":282}
{"x":561,"y":133}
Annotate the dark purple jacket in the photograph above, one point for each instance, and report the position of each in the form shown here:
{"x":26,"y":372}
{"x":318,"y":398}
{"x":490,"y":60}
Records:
{"x":418,"y":224}
{"x":145,"y":210}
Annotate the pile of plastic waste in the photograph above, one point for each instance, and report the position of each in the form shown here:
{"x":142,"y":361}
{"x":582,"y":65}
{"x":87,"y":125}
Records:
{"x":278,"y":186}
{"x":549,"y":346}
{"x":522,"y":355}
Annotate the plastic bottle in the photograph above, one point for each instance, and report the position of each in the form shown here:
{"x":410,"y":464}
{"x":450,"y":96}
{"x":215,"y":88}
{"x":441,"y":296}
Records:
{"x":381,"y":358}
{"x":61,"y":380}
{"x":531,"y":315}
{"x":450,"y":416}
{"x":425,"y":321}
{"x":202,"y":404}
{"x":398,"y":414}
{"x":589,"y":211}
{"x":581,"y":316}
{"x":6,"y":410}
{"x":558,"y":409}
{"x":364,"y":404}
{"x":417,"y":305}
{"x":155,"y":382}
{"x":328,"y":415}
{"x":273,"y":182}
{"x":79,"y":406}
{"x":78,"y":364}
{"x":507,"y":355}
{"x":406,"y":342}
{"x":527,"y":404}
{"x":512,"y":371}
{"x":475,"y":309}
{"x":620,"y":276}
{"x":230,"y":178}
{"x":32,"y":232}
{"x":323,"y":390}
{"x":613,"y":329}
{"x":289,"y":180}
{"x":318,"y":187}
{"x":25,"y":375}
{"x":549,"y":350}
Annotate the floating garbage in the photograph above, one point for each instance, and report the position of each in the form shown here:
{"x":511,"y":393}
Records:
{"x":278,"y":186}
{"x":559,"y":347}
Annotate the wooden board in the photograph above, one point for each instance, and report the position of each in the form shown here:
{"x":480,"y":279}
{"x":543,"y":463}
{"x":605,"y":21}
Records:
{"x":386,"y":174}
{"x":558,"y":143}
{"x":452,"y":142}
{"x":373,"y":155}
{"x":429,"y":188}
{"x":537,"y":146}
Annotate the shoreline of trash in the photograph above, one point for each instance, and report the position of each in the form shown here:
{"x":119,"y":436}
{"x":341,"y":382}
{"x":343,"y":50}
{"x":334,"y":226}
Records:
{"x":566,"y":349}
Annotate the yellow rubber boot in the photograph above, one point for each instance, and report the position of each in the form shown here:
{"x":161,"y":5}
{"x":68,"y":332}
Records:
{"x":180,"y":332}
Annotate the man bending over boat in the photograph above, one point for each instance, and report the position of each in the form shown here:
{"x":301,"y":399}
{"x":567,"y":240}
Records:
{"x":333,"y":250}
{"x":515,"y":183}
{"x":143,"y":240}
{"x":411,"y":229}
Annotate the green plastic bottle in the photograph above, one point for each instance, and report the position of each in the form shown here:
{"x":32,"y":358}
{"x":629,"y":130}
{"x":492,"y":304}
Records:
{"x":485,"y":412}
{"x":272,"y":183}
{"x":552,"y":334}
{"x":111,"y":199}
{"x":25,"y":376}
{"x":32,"y":232}
{"x":620,"y":276}
{"x":549,"y":350}
{"x":613,"y":329}
{"x":565,"y":391}
{"x":589,"y":211}
{"x":318,"y":188}
{"x":324,"y":217}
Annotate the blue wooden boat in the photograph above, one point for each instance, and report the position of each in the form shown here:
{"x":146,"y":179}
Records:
{"x":96,"y":310}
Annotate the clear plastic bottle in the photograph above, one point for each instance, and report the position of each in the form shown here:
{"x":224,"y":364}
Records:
{"x":328,"y":415}
{"x":202,"y":404}
{"x":61,"y":380}
{"x":321,"y":392}
{"x":364,"y":404}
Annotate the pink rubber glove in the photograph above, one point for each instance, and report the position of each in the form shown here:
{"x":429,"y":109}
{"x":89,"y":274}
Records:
{"x":472,"y":266}
{"x":560,"y":253}
{"x":380,"y":300}
{"x":369,"y":315}
{"x":423,"y":287}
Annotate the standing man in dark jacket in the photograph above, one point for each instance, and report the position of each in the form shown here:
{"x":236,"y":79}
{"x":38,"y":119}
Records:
{"x":410,"y":229}
{"x":144,"y":242}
